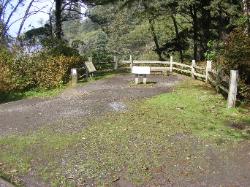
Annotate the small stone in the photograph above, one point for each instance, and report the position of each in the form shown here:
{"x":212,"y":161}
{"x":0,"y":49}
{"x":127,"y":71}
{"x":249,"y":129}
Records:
{"x":116,"y":179}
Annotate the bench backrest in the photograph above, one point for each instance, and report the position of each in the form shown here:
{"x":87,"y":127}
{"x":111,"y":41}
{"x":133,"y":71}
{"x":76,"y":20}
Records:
{"x":141,"y":70}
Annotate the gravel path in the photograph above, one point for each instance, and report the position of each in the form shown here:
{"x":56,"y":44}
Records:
{"x":205,"y":165}
{"x":82,"y":101}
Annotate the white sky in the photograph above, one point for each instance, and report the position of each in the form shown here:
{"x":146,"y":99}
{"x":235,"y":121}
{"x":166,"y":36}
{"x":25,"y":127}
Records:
{"x":36,"y":20}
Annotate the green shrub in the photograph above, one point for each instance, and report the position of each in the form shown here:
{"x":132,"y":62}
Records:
{"x":51,"y":71}
{"x":41,"y":70}
{"x":6,"y":81}
{"x":237,"y":56}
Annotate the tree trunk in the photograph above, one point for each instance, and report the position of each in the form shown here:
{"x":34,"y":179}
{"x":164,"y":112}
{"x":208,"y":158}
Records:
{"x":58,"y":16}
{"x":153,"y":33}
{"x":205,"y":27}
{"x":157,"y":46}
{"x":177,"y":37}
{"x":193,"y":13}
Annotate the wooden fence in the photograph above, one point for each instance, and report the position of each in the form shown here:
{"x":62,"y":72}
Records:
{"x":228,"y":85}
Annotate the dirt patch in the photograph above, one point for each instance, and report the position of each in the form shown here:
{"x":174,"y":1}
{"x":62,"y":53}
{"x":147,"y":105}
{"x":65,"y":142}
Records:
{"x":240,"y":126}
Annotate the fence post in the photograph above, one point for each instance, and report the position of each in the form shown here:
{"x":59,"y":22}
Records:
{"x":115,"y":63}
{"x":231,"y":101}
{"x":208,"y":68}
{"x":73,"y":76}
{"x":171,"y":63}
{"x":131,"y":61}
{"x":192,"y":69}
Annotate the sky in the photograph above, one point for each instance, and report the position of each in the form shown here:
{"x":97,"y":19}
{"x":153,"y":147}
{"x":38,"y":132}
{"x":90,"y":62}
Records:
{"x":33,"y":21}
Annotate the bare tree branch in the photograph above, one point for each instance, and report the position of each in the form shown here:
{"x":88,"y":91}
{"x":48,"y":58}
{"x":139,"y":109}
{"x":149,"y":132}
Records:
{"x":10,"y":15}
{"x":26,"y":15}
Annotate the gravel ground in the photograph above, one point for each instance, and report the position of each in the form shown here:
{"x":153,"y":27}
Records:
{"x":82,"y":101}
{"x":205,"y":165}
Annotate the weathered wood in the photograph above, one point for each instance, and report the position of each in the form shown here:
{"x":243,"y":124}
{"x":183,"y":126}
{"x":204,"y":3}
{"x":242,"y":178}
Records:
{"x":159,"y":69}
{"x":199,"y":75}
{"x":141,"y":70}
{"x":171,"y":63}
{"x":208,"y":68}
{"x":131,"y":61}
{"x":231,"y":101}
{"x":180,"y":64}
{"x":73,"y":76}
{"x":193,"y":69}
{"x":144,"y":79}
{"x":199,"y":68}
{"x":115,"y":63}
{"x":136,"y":79}
{"x":149,"y":62}
{"x":213,"y":82}
{"x":182,"y":70}
{"x":125,"y":62}
{"x":90,"y":67}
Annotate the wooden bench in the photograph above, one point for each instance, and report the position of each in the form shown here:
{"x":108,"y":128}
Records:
{"x":141,"y":71}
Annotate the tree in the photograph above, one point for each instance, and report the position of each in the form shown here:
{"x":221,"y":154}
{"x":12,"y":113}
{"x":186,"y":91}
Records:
{"x":66,"y":10}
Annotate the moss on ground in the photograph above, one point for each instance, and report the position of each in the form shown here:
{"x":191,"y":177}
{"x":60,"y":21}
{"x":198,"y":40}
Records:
{"x":128,"y":143}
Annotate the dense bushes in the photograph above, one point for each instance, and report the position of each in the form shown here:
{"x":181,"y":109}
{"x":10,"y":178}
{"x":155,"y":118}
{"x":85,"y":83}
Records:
{"x":22,"y":72}
{"x":51,"y":71}
{"x":236,"y":55}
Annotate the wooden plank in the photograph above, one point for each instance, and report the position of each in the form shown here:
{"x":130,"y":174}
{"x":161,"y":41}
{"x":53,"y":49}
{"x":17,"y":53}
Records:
{"x":150,"y":62}
{"x":224,"y":89}
{"x":159,"y":68}
{"x":182,"y":70}
{"x":180,"y":64}
{"x":199,"y":68}
{"x":125,"y":62}
{"x":141,"y":70}
{"x":200,"y":75}
{"x":90,"y":67}
{"x":213,"y":82}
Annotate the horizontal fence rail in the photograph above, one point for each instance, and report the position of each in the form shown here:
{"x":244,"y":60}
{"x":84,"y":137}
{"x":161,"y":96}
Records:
{"x":226,"y":84}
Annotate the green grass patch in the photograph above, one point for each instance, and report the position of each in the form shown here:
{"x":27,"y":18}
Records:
{"x":128,"y":144}
{"x":14,"y":96}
